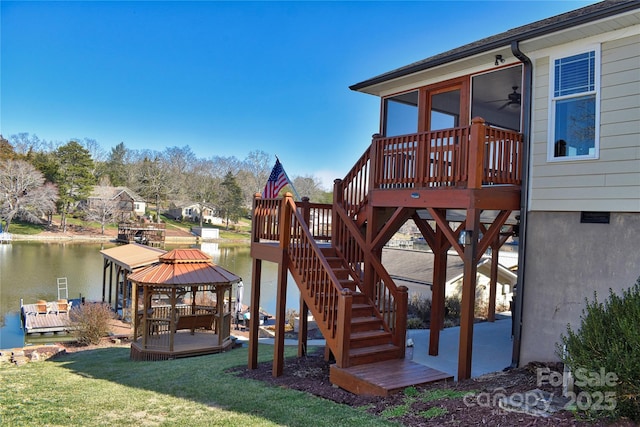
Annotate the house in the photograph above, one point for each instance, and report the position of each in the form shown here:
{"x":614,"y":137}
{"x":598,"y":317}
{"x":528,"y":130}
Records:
{"x":126,"y":202}
{"x":534,"y":133}
{"x":192,"y":211}
{"x":414,"y":269}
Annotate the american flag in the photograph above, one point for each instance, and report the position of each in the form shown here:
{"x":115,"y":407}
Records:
{"x":276,"y":182}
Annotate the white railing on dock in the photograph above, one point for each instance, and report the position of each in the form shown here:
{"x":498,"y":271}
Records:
{"x":5,"y":237}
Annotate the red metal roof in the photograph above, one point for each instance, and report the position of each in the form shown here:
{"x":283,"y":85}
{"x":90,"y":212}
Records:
{"x":184,"y":267}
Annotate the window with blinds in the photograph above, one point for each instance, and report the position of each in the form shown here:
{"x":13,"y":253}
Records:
{"x":574,"y":106}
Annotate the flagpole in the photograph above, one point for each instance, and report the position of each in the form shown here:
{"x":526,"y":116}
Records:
{"x":295,"y":193}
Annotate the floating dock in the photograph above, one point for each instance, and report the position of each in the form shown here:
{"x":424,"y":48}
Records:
{"x":49,"y":323}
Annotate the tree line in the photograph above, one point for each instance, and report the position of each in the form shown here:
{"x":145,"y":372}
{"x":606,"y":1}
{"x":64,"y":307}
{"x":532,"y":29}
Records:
{"x":39,"y":178}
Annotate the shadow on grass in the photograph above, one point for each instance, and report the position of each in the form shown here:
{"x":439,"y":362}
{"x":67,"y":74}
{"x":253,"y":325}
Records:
{"x":206,"y":380}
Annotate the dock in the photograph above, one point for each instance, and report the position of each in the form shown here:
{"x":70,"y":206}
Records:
{"x":5,"y":237}
{"x":53,"y":322}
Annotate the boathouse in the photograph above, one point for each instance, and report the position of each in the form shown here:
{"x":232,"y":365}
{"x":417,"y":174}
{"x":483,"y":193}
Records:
{"x":119,"y":262}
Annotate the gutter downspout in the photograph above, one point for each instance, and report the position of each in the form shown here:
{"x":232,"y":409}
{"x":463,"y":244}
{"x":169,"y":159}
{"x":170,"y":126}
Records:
{"x":524,"y":198}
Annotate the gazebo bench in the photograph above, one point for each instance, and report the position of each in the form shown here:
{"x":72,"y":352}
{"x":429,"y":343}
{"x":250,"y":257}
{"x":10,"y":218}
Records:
{"x":195,"y":321}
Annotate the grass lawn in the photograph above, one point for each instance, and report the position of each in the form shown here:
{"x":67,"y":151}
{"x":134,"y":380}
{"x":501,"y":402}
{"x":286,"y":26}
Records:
{"x":103,"y":387}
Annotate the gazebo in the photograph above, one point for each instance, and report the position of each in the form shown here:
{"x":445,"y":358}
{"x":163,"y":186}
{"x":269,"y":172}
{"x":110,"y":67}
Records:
{"x":185,"y":308}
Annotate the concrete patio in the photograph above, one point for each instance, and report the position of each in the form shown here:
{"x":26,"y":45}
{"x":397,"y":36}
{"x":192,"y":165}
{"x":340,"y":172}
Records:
{"x":492,"y":347}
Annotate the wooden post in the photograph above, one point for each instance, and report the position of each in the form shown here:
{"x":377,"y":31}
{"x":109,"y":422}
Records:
{"x":400,"y":327}
{"x":303,"y":328}
{"x":281,"y":298}
{"x":476,"y":153}
{"x":134,"y":310}
{"x":495,"y":250}
{"x":145,"y":315}
{"x":438,"y":291}
{"x":256,"y":274}
{"x":172,"y":319}
{"x":343,"y":334}
{"x":105,"y":264}
{"x":468,"y":295}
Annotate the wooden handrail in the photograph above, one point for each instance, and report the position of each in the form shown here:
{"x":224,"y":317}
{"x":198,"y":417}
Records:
{"x":468,"y":157}
{"x":385,"y":295}
{"x":319,"y":285}
{"x":355,"y":185}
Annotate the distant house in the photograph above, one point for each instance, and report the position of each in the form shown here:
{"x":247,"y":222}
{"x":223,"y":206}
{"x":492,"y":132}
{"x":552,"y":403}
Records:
{"x":414,"y":269}
{"x":192,"y":211}
{"x":129,"y":203}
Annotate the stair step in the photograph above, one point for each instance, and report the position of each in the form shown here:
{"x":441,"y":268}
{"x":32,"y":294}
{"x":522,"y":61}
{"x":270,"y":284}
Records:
{"x":362,"y":324}
{"x":334,"y":262}
{"x":341,"y":273}
{"x":369,"y":339}
{"x":348,"y":284}
{"x":361,"y":310}
{"x":360,"y":298}
{"x":376,"y":353}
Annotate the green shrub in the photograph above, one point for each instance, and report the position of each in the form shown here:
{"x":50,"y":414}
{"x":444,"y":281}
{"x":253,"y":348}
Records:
{"x":91,"y":322}
{"x":608,"y":341}
{"x":419,"y":307}
{"x":415,"y":323}
{"x":452,"y":307}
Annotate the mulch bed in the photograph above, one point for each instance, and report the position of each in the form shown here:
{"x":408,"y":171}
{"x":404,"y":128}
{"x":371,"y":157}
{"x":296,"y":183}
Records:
{"x":476,"y":407}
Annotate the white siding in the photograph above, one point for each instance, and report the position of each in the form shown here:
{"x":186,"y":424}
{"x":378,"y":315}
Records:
{"x":612,"y":182}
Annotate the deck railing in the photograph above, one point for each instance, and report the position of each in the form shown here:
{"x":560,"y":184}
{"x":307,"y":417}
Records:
{"x":467,"y":157}
{"x":318,"y":217}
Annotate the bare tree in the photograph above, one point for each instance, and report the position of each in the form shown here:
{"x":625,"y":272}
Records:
{"x":103,"y":211}
{"x":23,"y":192}
{"x":254,"y":174}
{"x":201,"y":185}
{"x":308,"y":186}
{"x":154,"y":182}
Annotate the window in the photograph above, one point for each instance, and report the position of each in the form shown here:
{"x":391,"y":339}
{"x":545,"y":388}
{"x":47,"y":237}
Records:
{"x":574,"y":106}
{"x":401,"y":114}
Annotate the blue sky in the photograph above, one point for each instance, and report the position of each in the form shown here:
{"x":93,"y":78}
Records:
{"x":226,"y":78}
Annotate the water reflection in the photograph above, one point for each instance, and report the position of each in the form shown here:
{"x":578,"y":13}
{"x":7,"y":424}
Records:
{"x":28,"y":271}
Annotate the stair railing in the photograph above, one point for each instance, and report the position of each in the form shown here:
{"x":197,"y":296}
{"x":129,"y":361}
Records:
{"x":390,"y":300}
{"x":329,"y":303}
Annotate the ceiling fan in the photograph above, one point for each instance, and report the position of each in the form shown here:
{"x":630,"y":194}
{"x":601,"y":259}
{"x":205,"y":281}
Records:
{"x":513,"y":99}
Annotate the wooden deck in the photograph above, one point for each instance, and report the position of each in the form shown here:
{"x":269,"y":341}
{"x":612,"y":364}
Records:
{"x":384,"y":378}
{"x":52,"y":322}
{"x":184,"y":345}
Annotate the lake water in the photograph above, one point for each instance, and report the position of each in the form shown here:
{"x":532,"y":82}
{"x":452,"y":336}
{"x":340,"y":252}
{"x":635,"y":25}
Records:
{"x":29,"y":270}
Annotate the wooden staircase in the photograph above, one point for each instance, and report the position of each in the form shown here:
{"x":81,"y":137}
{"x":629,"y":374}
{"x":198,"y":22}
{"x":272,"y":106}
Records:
{"x":334,"y":251}
{"x":370,"y":339}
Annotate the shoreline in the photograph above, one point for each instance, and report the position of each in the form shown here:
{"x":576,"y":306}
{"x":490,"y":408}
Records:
{"x":90,"y":237}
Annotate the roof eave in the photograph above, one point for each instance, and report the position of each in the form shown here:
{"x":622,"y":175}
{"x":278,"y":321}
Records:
{"x":476,"y":49}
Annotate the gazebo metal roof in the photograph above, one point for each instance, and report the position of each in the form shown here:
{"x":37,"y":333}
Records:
{"x":181,"y":267}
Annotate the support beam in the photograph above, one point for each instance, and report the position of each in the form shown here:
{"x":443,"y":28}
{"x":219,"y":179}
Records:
{"x":281,"y":297}
{"x":493,"y":283}
{"x":440,"y":217}
{"x":303,"y":328}
{"x":438,"y":290}
{"x":391,"y":226}
{"x":281,"y":308}
{"x":256,"y":276}
{"x":468,"y":296}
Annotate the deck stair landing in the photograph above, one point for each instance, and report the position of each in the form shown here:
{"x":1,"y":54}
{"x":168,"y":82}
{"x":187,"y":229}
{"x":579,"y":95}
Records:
{"x":384,"y":378}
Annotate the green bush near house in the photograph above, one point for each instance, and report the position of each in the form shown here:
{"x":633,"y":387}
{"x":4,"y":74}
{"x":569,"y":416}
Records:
{"x":604,"y":356}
